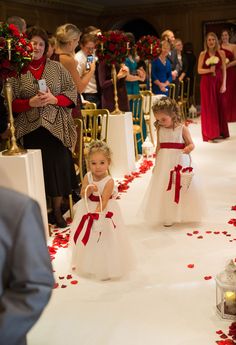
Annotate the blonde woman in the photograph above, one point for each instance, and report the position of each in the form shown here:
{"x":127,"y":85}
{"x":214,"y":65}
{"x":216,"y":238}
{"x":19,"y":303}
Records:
{"x":211,"y":67}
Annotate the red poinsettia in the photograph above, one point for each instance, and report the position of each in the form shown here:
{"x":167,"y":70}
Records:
{"x":112,"y":47}
{"x":148,"y":47}
{"x":15,"y":51}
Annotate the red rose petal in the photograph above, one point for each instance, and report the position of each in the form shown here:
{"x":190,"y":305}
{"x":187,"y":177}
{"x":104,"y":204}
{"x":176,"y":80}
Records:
{"x":224,"y":232}
{"x":208,"y":232}
{"x":200,"y":237}
{"x":223,"y":336}
{"x":219,"y":332}
{"x":208,"y":277}
{"x":190,"y":266}
{"x":233,"y":208}
{"x":63,"y":286}
{"x":196,"y":232}
{"x":189,"y":234}
{"x":69,"y":276}
{"x":74,"y":282}
{"x":55,"y":285}
{"x":61,"y":277}
{"x":216,"y":232}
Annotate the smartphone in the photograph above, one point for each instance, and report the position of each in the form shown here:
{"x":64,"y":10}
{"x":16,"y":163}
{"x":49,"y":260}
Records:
{"x":42,"y":85}
{"x":89,"y":61}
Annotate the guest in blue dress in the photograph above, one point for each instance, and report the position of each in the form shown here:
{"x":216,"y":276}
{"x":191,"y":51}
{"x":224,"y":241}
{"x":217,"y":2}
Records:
{"x":134,"y":76}
{"x":161,"y":71}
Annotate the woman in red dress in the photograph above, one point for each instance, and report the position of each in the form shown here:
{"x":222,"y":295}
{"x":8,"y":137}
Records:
{"x":212,"y":86}
{"x":229,"y":99}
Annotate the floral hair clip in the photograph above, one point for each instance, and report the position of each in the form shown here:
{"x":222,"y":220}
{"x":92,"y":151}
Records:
{"x":164,"y":102}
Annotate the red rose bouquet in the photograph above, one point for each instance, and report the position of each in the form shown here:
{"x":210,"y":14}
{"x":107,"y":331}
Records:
{"x":112,"y":47}
{"x":148,"y":47}
{"x":15,"y":51}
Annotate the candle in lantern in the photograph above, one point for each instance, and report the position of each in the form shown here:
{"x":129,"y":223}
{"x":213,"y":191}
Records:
{"x":127,"y":45}
{"x":101,"y":46}
{"x":230,"y":301}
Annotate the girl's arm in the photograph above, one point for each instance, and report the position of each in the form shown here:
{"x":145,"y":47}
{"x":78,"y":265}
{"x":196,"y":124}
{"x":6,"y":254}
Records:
{"x":188,"y":140}
{"x":90,"y":189}
{"x":223,"y":86}
{"x":200,"y":64}
{"x":71,"y":65}
{"x":107,"y":192}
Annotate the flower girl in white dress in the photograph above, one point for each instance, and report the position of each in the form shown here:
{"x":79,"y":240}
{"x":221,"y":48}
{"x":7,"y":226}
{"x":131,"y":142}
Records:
{"x":99,"y":243}
{"x":164,"y":202}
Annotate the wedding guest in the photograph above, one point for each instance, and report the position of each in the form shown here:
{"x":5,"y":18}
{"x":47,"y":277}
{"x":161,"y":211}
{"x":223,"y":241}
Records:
{"x":172,"y":57}
{"x":51,"y":46}
{"x":183,"y":64}
{"x":135,"y":74}
{"x":212,"y":86}
{"x":92,"y":30}
{"x":161,"y":71}
{"x":85,"y":57}
{"x":229,"y":100}
{"x":191,"y":63}
{"x":26,"y":273}
{"x":19,"y":22}
{"x":43,"y":119}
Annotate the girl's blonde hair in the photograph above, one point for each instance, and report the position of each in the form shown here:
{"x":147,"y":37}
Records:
{"x":67,"y":33}
{"x":170,"y":108}
{"x":99,"y":146}
{"x":217,"y":45}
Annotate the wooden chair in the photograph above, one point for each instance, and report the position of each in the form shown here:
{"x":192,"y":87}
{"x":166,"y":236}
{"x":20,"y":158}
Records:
{"x":77,"y":156}
{"x":143,"y":87}
{"x":89,"y":105}
{"x":95,"y":124}
{"x":172,"y":91}
{"x":147,"y":108}
{"x":136,"y":106}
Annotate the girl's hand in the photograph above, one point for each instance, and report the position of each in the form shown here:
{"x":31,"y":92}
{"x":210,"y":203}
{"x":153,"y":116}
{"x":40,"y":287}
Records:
{"x":94,"y":188}
{"x":213,"y":69}
{"x":222,"y":89}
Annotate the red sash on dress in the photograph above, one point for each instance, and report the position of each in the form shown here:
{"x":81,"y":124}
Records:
{"x":172,"y":146}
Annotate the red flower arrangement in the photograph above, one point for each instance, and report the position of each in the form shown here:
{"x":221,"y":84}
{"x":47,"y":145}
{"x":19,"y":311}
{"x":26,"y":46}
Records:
{"x":112,"y":47}
{"x":148,"y":47}
{"x":15,"y":51}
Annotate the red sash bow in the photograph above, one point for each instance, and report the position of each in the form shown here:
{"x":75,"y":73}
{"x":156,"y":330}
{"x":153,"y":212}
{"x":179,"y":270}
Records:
{"x":176,"y":170}
{"x":189,"y":169}
{"x":91,"y":217}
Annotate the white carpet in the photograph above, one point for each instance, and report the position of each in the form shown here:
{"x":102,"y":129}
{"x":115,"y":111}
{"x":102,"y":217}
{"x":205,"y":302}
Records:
{"x":163,"y":302}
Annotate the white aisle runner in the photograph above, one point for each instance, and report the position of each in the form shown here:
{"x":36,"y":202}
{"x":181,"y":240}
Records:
{"x":163,"y":302}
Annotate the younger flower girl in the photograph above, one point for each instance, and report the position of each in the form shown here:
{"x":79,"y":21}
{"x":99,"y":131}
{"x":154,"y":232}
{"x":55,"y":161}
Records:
{"x":99,"y":243}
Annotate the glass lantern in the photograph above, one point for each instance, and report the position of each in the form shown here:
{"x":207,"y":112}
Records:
{"x":226,"y":292}
{"x":147,"y":148}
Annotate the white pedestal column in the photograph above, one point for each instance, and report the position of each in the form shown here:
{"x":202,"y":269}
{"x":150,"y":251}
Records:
{"x":121,"y":142}
{"x":25,"y":174}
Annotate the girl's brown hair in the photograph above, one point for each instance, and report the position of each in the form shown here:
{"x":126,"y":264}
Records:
{"x":99,"y":146}
{"x":170,"y":108}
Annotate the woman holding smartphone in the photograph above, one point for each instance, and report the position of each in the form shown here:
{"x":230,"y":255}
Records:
{"x":43,"y":119}
{"x":87,"y":68}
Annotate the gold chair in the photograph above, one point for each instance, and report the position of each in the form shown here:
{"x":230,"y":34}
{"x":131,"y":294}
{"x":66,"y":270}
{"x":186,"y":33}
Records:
{"x":186,"y":95}
{"x":142,"y":87}
{"x":77,"y":156}
{"x":172,"y":91}
{"x":89,"y":105}
{"x":95,"y":124}
{"x":136,"y":106}
{"x":147,"y":108}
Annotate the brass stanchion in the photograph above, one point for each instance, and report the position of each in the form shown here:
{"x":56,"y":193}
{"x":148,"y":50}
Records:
{"x":114,"y":79}
{"x":14,"y":150}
